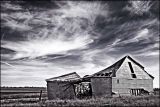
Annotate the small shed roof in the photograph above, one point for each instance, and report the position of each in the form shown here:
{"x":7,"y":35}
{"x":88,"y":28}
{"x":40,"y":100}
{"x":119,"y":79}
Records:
{"x":67,"y":77}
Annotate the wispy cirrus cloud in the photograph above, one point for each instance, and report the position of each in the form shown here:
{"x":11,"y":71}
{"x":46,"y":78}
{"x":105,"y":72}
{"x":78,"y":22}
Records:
{"x":36,"y":48}
{"x":9,"y":6}
{"x":88,"y":10}
{"x":49,"y":29}
{"x":58,"y":37}
{"x":139,"y":7}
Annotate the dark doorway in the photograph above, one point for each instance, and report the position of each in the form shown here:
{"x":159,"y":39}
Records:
{"x":83,"y":90}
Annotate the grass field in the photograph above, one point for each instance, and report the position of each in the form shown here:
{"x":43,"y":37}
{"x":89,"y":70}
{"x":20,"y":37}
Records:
{"x":17,"y":90}
{"x":32,"y":100}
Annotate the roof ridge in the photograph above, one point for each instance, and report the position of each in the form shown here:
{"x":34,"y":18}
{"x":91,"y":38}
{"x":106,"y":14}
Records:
{"x":119,"y":61}
{"x":135,"y":61}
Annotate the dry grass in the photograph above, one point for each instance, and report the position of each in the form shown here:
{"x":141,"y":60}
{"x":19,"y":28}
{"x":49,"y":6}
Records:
{"x":22,"y":95}
{"x":32,"y":100}
{"x":116,"y":101}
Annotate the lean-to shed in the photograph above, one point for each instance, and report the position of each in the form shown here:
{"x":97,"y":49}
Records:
{"x":62,"y":87}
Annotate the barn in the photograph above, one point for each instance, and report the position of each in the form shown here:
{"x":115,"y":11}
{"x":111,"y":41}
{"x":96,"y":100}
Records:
{"x":128,"y":77}
{"x":125,"y":77}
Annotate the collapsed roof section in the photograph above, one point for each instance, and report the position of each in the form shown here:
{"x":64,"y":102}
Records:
{"x":111,"y":70}
{"x":67,"y":77}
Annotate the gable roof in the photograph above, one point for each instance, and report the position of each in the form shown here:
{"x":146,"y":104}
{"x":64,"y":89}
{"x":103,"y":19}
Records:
{"x":135,"y":62}
{"x":111,"y":70}
{"x":67,"y":77}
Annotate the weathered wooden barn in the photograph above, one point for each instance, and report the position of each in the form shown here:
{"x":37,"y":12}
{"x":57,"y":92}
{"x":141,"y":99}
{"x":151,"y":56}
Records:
{"x":128,"y":77}
{"x":125,"y":77}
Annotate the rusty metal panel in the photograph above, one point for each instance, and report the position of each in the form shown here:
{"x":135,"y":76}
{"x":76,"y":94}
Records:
{"x":101,"y":86}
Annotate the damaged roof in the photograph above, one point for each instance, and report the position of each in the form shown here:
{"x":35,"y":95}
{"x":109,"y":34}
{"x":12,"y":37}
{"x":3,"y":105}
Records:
{"x":108,"y":72}
{"x":111,"y":70}
{"x":67,"y":77}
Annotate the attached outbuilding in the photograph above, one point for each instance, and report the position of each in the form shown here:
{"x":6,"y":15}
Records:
{"x":62,"y":87}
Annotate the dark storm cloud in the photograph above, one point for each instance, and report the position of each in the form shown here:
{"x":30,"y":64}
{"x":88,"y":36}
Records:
{"x":41,"y":39}
{"x":11,"y":35}
{"x":128,"y":34}
{"x":33,"y":5}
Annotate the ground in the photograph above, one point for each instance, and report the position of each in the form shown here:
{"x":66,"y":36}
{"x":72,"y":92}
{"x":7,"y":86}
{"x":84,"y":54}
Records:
{"x":31,"y":98}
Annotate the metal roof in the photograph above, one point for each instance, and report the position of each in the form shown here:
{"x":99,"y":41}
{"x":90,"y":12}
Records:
{"x":67,"y":77}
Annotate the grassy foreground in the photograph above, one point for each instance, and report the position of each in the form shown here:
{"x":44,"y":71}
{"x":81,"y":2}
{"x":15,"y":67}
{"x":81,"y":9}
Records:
{"x":115,"y":101}
{"x":32,"y":100}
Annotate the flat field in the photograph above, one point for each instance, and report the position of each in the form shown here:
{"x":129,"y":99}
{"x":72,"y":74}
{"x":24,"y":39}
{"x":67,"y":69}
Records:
{"x":29,"y":97}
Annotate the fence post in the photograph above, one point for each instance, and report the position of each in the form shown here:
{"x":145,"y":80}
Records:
{"x":40,"y":95}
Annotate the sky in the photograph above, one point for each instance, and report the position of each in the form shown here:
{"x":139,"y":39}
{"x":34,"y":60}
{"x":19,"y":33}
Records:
{"x":44,"y":39}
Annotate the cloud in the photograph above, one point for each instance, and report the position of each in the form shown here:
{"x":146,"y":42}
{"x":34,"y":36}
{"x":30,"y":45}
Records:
{"x":35,"y":48}
{"x":139,"y":7}
{"x":15,"y":26}
{"x":44,"y":40}
{"x":142,"y":34}
{"x":89,"y":10}
{"x":8,"y":6}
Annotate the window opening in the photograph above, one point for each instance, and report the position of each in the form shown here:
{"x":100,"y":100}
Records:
{"x":130,"y":66}
{"x":118,"y":81}
{"x":132,"y":71}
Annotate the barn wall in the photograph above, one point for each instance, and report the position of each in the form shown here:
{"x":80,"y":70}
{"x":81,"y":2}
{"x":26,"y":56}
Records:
{"x":61,"y":90}
{"x":125,"y":72}
{"x":124,"y":85}
{"x":101,"y":86}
